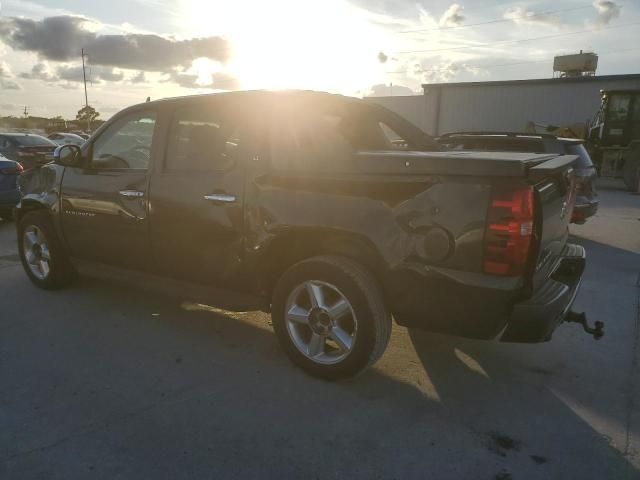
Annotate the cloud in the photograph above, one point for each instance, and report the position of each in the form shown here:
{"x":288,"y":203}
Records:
{"x":5,"y":70}
{"x":396,"y":8}
{"x":140,"y":77}
{"x":6,"y":78}
{"x":217,"y":81}
{"x":53,"y":38}
{"x":72,"y":73}
{"x":40,"y":71}
{"x":95,"y":74}
{"x":521,"y":16}
{"x":444,"y":72}
{"x":607,"y":11}
{"x":61,"y":38}
{"x":452,"y":17}
{"x":7,"y":84}
{"x":383,"y":57}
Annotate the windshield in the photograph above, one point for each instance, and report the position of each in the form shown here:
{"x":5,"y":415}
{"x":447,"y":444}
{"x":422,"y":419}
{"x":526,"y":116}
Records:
{"x":34,"y":141}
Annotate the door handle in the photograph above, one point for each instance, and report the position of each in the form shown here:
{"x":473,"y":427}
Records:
{"x":220,"y":197}
{"x":131,"y":193}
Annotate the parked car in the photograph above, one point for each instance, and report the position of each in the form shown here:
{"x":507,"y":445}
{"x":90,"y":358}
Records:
{"x":27,"y":148}
{"x":306,"y":200}
{"x":9,"y":196}
{"x":63,"y":138}
{"x":585,"y":171}
{"x":84,"y":136}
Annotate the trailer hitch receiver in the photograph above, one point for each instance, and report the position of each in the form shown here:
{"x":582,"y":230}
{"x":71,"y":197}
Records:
{"x":597,"y":331}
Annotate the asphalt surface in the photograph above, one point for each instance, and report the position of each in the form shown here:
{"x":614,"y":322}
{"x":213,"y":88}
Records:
{"x":108,"y":381}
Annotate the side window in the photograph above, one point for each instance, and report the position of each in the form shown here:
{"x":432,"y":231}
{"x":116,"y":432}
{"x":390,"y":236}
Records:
{"x":126,"y":144}
{"x":308,"y":140}
{"x":4,"y":143}
{"x":201,"y":139}
{"x":619,"y":107}
{"x":395,"y":141}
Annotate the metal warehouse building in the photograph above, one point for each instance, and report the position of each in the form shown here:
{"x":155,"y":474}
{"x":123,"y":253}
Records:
{"x":508,"y":105}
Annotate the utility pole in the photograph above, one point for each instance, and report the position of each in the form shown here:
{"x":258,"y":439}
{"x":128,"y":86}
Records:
{"x":86,"y":98}
{"x":84,"y":78}
{"x":26,"y":112}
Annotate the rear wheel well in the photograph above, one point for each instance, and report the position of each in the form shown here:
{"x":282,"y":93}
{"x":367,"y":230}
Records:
{"x":289,"y":249}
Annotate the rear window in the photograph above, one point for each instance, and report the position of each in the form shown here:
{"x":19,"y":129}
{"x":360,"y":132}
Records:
{"x":584,"y":160}
{"x":33,"y":141}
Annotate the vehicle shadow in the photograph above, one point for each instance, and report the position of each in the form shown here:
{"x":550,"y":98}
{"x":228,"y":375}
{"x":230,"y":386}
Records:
{"x":115,"y":382}
{"x":543,"y":395}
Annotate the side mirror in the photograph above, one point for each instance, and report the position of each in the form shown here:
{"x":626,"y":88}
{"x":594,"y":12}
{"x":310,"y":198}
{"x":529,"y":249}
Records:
{"x":67,"y":155}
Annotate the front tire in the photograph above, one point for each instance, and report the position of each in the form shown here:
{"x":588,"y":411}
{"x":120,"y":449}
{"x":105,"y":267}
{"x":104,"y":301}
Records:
{"x":330,"y":317}
{"x":43,"y":258}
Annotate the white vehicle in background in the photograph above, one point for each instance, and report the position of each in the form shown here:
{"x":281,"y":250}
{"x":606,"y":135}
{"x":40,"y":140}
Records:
{"x":66,"y":139}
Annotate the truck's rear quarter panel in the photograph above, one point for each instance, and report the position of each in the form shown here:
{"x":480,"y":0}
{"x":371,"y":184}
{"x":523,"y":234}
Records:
{"x":396,"y":215}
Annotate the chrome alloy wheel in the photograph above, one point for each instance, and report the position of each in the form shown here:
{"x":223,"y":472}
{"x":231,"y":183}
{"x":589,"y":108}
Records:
{"x":36,"y":252}
{"x":321,"y":322}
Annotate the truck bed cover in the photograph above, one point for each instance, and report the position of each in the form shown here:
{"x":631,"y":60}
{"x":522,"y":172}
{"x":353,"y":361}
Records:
{"x":498,"y":164}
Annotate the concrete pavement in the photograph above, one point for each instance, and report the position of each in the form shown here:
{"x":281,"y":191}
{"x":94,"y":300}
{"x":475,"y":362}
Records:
{"x":105,"y":381}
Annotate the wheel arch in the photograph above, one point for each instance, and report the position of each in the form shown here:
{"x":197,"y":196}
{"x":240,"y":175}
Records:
{"x":28,"y":204}
{"x":289,"y":248}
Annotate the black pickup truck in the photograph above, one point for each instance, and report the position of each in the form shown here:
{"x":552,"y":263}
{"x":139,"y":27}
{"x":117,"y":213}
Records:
{"x":338,"y":213}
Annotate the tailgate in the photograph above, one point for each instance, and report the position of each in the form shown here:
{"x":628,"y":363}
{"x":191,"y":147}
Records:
{"x":555,"y":198}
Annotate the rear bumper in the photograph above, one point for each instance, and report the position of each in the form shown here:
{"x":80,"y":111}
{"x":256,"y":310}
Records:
{"x":484,"y":306}
{"x":535,"y":319}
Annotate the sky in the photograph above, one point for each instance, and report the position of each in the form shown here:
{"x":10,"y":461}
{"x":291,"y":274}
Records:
{"x":155,"y":48}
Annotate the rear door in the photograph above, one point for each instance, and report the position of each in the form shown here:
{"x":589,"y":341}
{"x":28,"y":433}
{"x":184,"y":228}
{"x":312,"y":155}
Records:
{"x":197,"y":193}
{"x":105,"y":203}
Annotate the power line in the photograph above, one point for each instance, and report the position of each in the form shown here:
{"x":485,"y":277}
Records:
{"x":434,"y":70}
{"x":511,"y":42}
{"x":499,"y":20}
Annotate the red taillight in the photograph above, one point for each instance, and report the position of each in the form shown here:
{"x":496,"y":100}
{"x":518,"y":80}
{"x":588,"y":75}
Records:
{"x":509,"y":232}
{"x":12,"y":170}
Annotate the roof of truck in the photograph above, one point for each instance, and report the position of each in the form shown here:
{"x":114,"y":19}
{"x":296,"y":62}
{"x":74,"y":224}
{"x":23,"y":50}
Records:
{"x":253,"y":93}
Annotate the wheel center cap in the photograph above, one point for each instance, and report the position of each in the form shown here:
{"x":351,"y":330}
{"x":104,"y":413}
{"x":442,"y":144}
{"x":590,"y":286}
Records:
{"x":320,"y":321}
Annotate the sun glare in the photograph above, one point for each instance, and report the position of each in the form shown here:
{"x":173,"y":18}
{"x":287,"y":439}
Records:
{"x":291,"y":44}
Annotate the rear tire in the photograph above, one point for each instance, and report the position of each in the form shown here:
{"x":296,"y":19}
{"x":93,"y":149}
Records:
{"x":43,"y":257}
{"x":344,"y":330}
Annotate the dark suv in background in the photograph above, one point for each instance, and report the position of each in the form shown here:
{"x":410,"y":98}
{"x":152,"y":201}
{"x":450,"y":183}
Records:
{"x":586,"y":195}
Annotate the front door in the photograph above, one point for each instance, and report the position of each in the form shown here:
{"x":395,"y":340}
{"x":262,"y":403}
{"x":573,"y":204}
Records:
{"x":197,"y":195}
{"x":105,"y":202}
